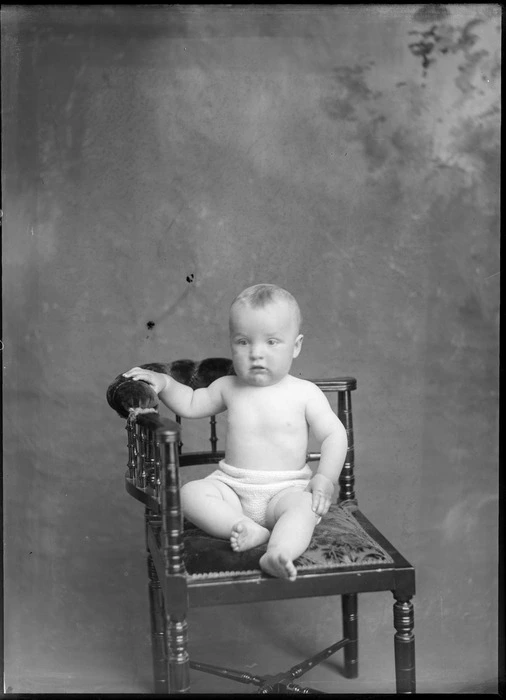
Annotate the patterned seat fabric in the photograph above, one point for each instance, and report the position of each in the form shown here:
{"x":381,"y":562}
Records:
{"x":338,"y":541}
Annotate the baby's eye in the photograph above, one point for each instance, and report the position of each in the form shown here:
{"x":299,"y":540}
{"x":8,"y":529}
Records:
{"x":272,"y":341}
{"x":241,"y":341}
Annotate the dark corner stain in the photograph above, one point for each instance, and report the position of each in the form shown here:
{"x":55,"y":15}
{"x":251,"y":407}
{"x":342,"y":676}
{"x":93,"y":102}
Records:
{"x":424,"y":46}
{"x":150,"y":324}
{"x":190,"y":278}
{"x":9,"y":689}
{"x":431,"y":13}
{"x":444,"y":38}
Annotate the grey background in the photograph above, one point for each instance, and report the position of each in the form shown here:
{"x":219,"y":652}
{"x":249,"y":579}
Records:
{"x":347,"y":153}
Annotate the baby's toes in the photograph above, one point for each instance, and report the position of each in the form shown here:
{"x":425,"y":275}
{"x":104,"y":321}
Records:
{"x":235,"y":536}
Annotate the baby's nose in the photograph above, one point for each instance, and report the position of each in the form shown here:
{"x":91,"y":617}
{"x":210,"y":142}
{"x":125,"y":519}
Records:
{"x":256,"y":351}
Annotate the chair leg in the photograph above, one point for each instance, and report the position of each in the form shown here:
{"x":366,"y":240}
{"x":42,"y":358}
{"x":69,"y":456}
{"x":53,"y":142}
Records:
{"x":350,"y":631}
{"x":178,"y":657}
{"x":404,"y":645}
{"x":158,"y":639}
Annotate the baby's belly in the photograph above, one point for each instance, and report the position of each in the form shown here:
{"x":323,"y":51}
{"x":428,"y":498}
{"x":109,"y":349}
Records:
{"x":262,"y":453}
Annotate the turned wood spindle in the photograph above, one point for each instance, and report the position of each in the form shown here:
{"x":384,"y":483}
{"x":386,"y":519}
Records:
{"x":130,"y":428}
{"x":404,"y":646}
{"x":172,"y":515}
{"x":172,"y":545}
{"x":150,"y":457}
{"x":157,"y":482}
{"x":179,"y":666}
{"x":213,"y":438}
{"x":180,"y":442}
{"x":158,"y":631}
{"x":349,"y":607}
{"x":141,"y":461}
{"x":138,"y":454}
{"x":347,"y":477}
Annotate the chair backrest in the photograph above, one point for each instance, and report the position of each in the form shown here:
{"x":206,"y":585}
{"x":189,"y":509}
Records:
{"x":148,"y":432}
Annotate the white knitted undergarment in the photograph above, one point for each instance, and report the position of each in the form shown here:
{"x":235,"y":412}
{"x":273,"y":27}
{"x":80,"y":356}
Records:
{"x":256,"y":488}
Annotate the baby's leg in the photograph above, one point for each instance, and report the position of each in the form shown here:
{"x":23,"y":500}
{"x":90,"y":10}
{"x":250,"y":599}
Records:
{"x":295,"y":522}
{"x":216,"y":508}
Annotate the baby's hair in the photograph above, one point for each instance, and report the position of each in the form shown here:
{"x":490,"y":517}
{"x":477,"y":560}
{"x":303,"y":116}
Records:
{"x":259,"y":295}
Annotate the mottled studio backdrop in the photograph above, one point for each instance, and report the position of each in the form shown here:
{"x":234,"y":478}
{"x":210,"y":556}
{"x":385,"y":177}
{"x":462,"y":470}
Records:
{"x":157,"y":160}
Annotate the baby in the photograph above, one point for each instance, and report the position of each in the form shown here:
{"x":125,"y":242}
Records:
{"x":263,"y":491}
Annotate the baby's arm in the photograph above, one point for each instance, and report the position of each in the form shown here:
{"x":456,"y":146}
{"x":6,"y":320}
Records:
{"x":183,"y":400}
{"x":331,"y":434}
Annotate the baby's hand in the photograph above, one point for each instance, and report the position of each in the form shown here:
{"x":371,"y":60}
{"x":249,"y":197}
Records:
{"x":322,"y":489}
{"x":155,"y":379}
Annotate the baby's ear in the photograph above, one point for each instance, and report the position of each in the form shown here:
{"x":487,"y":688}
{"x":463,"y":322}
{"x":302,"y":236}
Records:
{"x":297,"y":345}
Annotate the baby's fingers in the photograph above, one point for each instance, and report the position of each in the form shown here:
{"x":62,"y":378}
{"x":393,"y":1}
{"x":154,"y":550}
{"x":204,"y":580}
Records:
{"x":141,"y":375}
{"x":321,"y":504}
{"x":325,"y":508}
{"x":318,"y":500}
{"x":133,"y":372}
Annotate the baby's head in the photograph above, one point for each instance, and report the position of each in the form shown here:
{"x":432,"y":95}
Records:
{"x":265,"y":337}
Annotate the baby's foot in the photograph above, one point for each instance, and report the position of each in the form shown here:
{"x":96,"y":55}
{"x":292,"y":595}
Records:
{"x":247,"y":534}
{"x":278,"y":564}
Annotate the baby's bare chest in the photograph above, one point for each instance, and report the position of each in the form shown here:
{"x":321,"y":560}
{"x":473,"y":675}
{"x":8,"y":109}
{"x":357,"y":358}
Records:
{"x":266,"y":413}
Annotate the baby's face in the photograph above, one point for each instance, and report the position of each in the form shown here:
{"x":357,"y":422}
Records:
{"x":264,"y":342}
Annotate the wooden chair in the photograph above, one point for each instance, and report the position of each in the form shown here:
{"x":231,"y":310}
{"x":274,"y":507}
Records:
{"x":187,"y":567}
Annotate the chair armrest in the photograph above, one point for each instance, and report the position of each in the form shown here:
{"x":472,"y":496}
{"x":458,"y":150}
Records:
{"x":124,"y":394}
